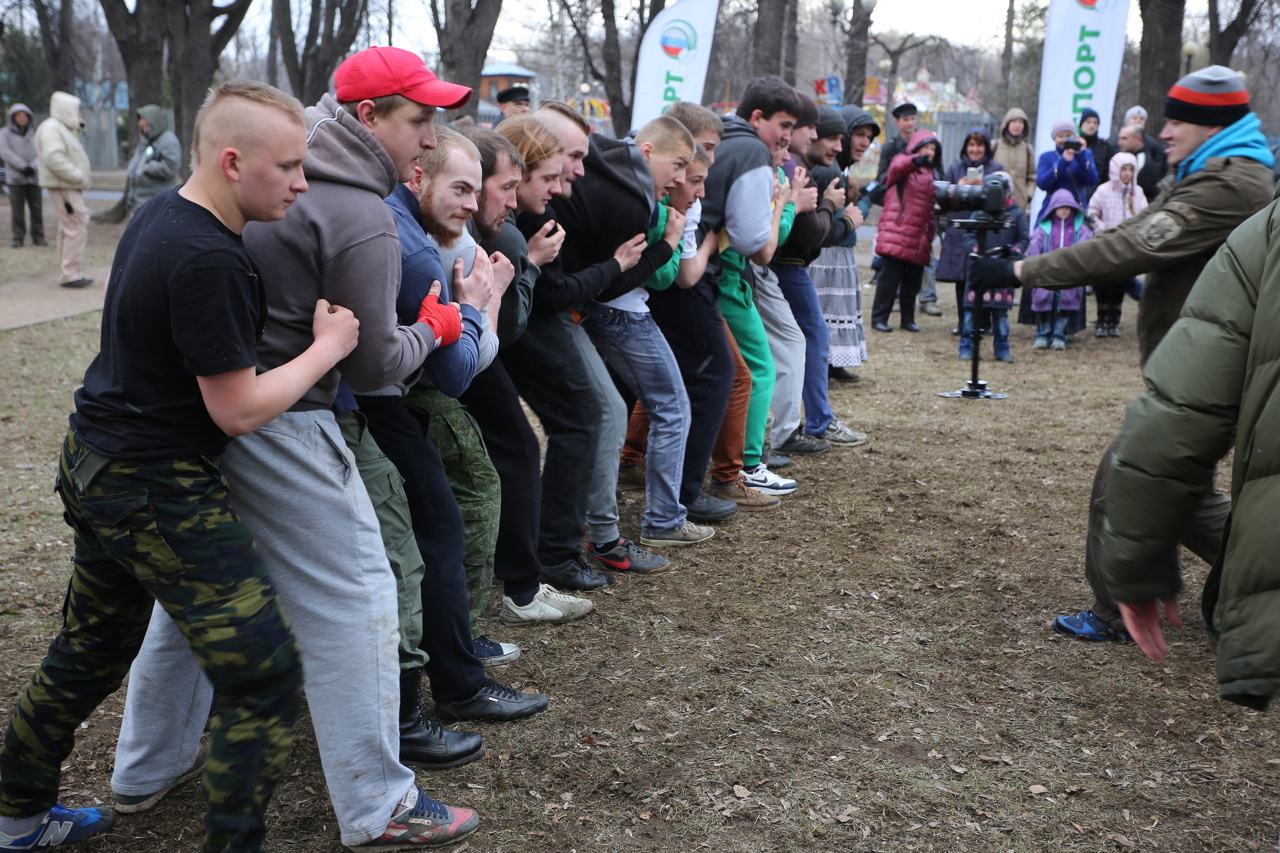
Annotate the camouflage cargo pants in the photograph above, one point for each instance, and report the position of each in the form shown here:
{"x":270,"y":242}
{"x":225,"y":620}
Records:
{"x":164,"y":531}
{"x":475,"y":486}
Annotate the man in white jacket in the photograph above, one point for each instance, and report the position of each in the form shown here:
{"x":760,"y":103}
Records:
{"x":64,"y":172}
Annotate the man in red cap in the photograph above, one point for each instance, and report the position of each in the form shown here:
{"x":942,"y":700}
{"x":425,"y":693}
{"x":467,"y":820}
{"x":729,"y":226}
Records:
{"x":295,"y":480}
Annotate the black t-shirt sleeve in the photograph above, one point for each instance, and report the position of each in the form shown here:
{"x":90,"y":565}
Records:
{"x":215,"y":314}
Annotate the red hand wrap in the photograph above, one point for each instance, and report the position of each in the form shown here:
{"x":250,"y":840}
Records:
{"x":445,"y":320}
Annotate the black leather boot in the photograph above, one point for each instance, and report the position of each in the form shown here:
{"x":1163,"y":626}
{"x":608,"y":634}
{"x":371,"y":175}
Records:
{"x":424,"y":742}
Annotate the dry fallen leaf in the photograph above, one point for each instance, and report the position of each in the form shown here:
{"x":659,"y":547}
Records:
{"x":741,"y":792}
{"x":1038,"y":789}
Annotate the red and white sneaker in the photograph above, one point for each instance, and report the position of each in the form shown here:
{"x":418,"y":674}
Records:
{"x":424,"y":822}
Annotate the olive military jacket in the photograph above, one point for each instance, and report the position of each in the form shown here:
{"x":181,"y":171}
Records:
{"x":1171,"y":241}
{"x":1215,"y":378}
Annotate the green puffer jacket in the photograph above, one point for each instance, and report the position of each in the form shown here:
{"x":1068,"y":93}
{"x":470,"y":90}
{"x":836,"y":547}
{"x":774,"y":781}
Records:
{"x":1215,"y":378}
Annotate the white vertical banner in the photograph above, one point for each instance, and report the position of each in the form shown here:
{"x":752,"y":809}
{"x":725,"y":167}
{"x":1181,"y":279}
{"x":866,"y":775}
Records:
{"x":1083,"y":51}
{"x":673,"y":60}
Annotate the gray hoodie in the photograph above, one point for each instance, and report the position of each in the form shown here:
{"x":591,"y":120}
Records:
{"x":18,"y":149}
{"x":339,"y":242}
{"x":154,"y":167}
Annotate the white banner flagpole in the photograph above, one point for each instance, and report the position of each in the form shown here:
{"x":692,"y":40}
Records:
{"x":674,"y":55}
{"x":1083,"y":51}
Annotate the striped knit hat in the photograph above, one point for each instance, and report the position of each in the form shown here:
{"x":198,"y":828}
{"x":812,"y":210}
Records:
{"x":1214,"y":96}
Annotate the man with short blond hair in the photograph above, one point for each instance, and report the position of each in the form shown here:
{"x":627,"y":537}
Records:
{"x":144,"y":493}
{"x":314,"y":521}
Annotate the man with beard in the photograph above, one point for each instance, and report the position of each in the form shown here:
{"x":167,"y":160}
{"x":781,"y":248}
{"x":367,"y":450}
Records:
{"x":506,"y":543}
{"x":433,"y":211}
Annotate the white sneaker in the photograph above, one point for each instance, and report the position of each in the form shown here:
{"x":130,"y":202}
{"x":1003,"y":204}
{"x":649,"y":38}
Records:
{"x":766,"y":482}
{"x":549,"y":605}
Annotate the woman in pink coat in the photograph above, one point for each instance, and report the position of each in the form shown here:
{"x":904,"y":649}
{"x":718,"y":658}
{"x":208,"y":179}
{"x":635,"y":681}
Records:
{"x":904,"y":235}
{"x":1113,"y":203}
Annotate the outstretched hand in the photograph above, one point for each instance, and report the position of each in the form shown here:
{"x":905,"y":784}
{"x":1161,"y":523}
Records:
{"x":1142,"y":621}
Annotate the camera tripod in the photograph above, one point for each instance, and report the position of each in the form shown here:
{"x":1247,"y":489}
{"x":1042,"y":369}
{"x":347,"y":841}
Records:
{"x":976,"y":389}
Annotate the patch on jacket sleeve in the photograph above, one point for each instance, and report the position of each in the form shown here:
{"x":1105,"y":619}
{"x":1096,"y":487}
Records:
{"x":1159,"y":229}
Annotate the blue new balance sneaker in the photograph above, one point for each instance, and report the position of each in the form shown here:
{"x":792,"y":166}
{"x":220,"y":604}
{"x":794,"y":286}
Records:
{"x":61,"y":827}
{"x":1087,"y":625}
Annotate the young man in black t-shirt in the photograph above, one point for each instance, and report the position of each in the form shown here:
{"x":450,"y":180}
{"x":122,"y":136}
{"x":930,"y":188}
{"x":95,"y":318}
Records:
{"x":141,"y":483}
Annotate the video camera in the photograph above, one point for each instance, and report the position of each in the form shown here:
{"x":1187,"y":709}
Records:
{"x":989,"y":203}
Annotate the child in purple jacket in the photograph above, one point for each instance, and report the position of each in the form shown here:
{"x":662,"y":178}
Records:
{"x":1062,"y":224}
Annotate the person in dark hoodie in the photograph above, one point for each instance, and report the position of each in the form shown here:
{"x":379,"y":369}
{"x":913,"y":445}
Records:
{"x":18,"y":151}
{"x":971,"y":169}
{"x":738,"y":204}
{"x":316,"y":524}
{"x":621,"y":327}
{"x":560,"y":375}
{"x":155,"y":164}
{"x":811,"y":231}
{"x":904,"y":236}
{"x":835,"y":271}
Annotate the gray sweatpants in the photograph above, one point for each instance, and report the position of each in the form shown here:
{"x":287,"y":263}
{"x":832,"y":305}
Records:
{"x":786,"y":343}
{"x":296,"y":486}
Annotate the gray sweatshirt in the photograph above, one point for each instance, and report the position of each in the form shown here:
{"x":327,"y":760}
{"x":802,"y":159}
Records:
{"x":338,"y":242}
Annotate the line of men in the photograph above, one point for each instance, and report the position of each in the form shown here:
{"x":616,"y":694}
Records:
{"x":299,"y":459}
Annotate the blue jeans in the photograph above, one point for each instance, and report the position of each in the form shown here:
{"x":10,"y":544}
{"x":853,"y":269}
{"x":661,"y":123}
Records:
{"x":999,"y":330}
{"x":634,"y":347}
{"x":928,"y":286}
{"x":1046,"y":327}
{"x":800,"y":293}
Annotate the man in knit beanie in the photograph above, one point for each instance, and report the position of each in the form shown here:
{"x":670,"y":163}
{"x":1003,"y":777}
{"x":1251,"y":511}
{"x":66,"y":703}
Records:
{"x":1098,"y":146}
{"x":1221,"y":176}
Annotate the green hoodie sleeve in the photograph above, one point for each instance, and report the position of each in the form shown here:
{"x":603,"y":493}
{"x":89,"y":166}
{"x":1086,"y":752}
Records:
{"x":665,"y":275}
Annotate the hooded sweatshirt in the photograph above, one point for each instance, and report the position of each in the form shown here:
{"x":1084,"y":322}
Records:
{"x":906,"y":227}
{"x":1115,"y":201}
{"x":339,"y":242}
{"x":611,"y":203}
{"x":1018,"y":157}
{"x":155,"y":164}
{"x":18,"y":149}
{"x":739,"y":192}
{"x":842,"y":232}
{"x":1052,"y":233}
{"x":64,"y":164}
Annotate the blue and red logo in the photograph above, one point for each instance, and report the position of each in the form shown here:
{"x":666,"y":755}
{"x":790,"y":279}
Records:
{"x":679,"y":40}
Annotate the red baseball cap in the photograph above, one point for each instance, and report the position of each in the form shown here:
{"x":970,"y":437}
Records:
{"x":380,"y":71}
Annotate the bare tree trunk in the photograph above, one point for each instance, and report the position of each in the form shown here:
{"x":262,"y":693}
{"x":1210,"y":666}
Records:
{"x":1161,"y":52}
{"x":332,"y":26}
{"x":791,"y":41}
{"x":56,"y":35}
{"x":194,"y":50}
{"x":1006,"y":58}
{"x":1223,"y":40}
{"x":464,"y":32}
{"x":767,"y":43}
{"x":140,"y":38}
{"x":273,"y":51}
{"x":856,"y":33}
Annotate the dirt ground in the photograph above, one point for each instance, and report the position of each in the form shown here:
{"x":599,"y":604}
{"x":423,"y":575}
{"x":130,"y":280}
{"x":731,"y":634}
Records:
{"x":868,"y":669}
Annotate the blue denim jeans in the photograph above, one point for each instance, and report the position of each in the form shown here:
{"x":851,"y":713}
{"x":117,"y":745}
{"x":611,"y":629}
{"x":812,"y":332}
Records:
{"x":799,"y":291}
{"x":636,"y":350}
{"x":999,"y":331}
{"x":1046,"y":327}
